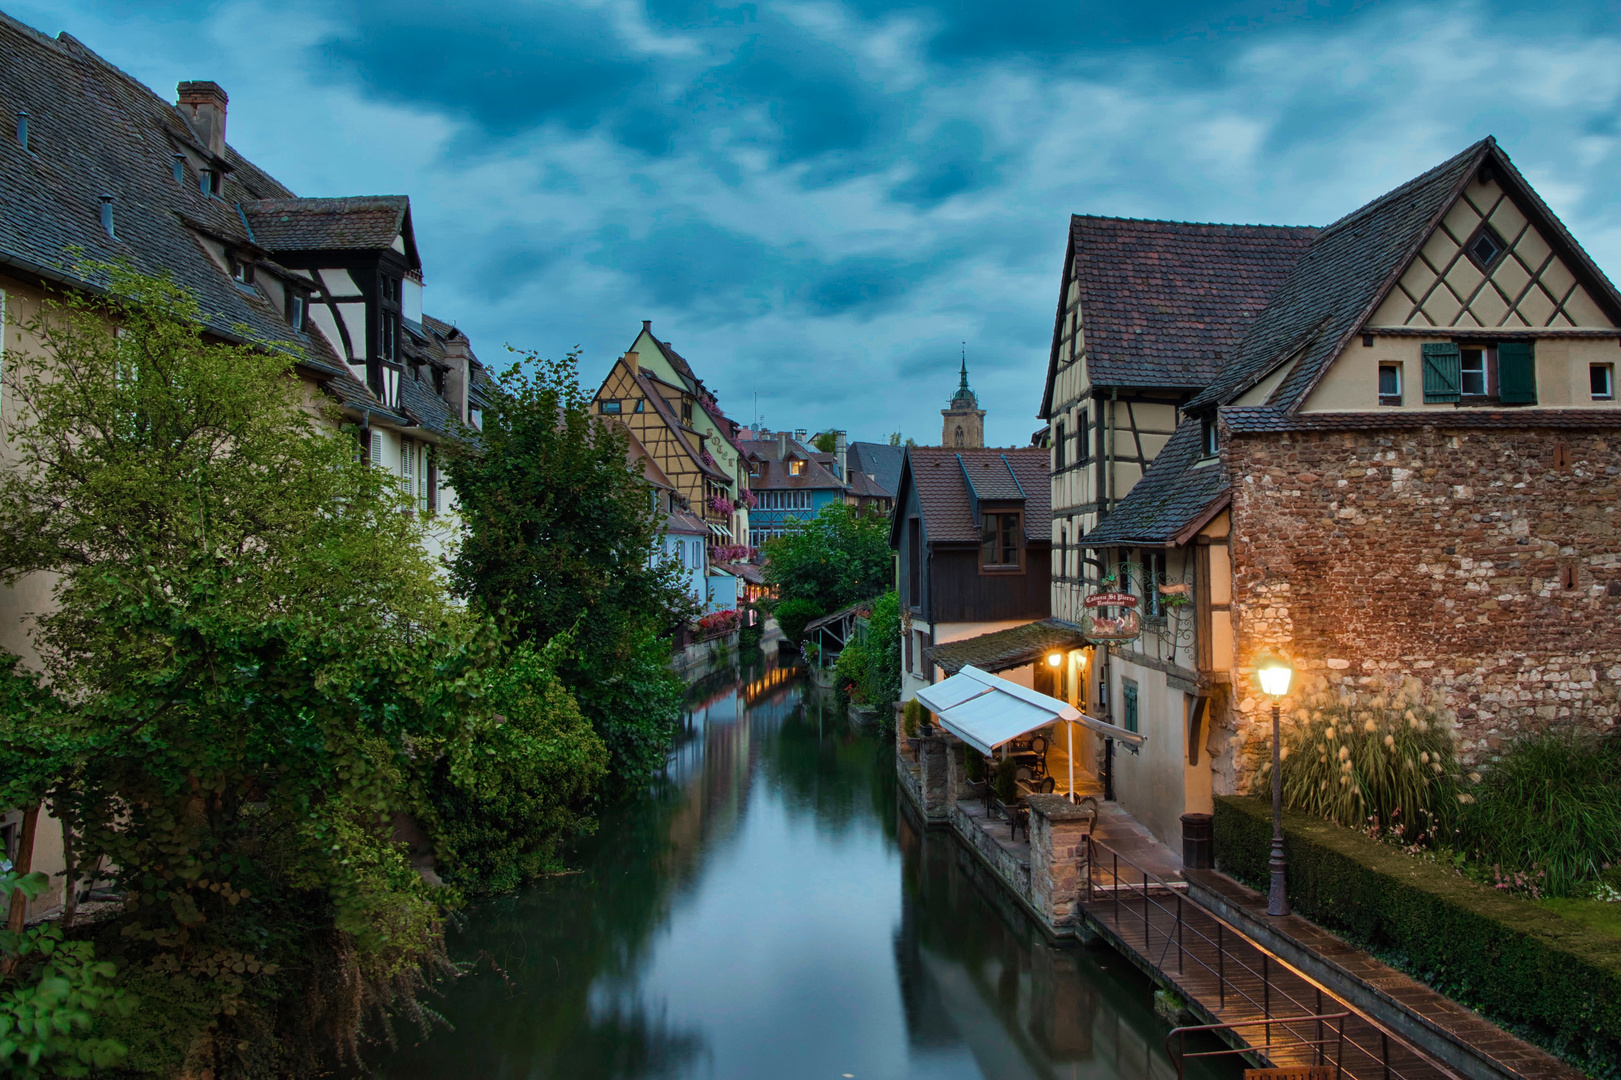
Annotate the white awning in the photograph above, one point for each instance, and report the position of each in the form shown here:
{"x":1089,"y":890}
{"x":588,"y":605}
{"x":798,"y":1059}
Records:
{"x":721,"y":532}
{"x":985,"y":711}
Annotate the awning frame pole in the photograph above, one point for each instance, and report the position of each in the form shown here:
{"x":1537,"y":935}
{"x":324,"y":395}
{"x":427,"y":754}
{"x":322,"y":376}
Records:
{"x":1069,"y":733}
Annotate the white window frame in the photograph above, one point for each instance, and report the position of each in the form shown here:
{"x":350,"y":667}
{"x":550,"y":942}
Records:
{"x":1608,"y":369}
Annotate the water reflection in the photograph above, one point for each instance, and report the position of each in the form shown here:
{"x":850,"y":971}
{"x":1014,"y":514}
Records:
{"x":766,"y":909}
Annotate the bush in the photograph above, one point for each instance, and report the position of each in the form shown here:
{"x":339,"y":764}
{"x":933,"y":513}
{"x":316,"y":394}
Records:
{"x":1007,"y":780}
{"x":1381,"y":761}
{"x":1549,"y":809}
{"x":853,"y":667}
{"x":883,"y":685}
{"x":973,"y":764}
{"x":915,"y":716}
{"x":794,"y":615}
{"x":1556,"y":982}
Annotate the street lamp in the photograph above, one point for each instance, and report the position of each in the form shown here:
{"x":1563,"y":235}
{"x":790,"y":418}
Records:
{"x":1274,"y":675}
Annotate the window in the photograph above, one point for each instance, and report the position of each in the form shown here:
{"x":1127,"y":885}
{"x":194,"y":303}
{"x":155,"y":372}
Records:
{"x":1472,"y":372}
{"x":241,"y":271}
{"x":1153,"y":577}
{"x":1601,"y":378}
{"x":1209,"y":439}
{"x":609,"y":406}
{"x":1058,"y":446}
{"x":1000,"y":542}
{"x":1083,"y":436}
{"x":1390,"y":384}
{"x":377,"y":448}
{"x":1128,"y":707}
{"x":914,"y":564}
{"x":681,"y":553}
{"x":297,"y":308}
{"x":388,"y":337}
{"x":959,"y":435}
{"x":796,"y":468}
{"x":208,"y":181}
{"x":475,"y":416}
{"x":427,"y":480}
{"x":1486,"y":247}
{"x":686,"y":411}
{"x":640,"y":404}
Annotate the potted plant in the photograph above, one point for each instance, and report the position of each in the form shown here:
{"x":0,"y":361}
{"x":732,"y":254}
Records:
{"x":914,"y":722}
{"x":1005,"y":784}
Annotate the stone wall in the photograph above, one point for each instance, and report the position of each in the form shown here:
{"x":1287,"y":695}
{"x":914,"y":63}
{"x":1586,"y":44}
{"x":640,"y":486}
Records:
{"x":1058,"y":830}
{"x":1485,"y":563}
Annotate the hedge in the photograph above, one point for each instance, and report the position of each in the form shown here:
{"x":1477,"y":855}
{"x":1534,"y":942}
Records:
{"x":1555,"y":982}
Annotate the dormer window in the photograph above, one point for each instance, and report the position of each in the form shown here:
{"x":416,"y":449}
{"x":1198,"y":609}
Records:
{"x":241,"y":271}
{"x":297,"y":309}
{"x":1209,"y":440}
{"x":209,"y":181}
{"x":796,"y":468}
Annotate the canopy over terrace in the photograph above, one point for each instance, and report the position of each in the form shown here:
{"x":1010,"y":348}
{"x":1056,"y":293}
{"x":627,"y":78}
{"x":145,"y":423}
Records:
{"x":1003,"y":650}
{"x":986,"y":711}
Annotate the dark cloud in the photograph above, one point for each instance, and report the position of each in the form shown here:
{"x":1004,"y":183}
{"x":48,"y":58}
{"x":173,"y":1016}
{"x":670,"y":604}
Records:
{"x":953,"y":161}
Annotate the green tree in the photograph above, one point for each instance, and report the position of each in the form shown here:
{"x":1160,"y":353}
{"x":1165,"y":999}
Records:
{"x":563,"y":538}
{"x":825,"y":441}
{"x":838,"y":558}
{"x":251,"y":668}
{"x":505,"y":802}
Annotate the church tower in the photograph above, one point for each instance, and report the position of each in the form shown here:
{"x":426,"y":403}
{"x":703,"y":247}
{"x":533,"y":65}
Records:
{"x":964,"y":420}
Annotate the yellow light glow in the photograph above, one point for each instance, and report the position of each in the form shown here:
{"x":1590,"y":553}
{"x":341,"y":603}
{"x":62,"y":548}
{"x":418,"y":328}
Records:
{"x":1274,"y":674}
{"x":1054,"y":659}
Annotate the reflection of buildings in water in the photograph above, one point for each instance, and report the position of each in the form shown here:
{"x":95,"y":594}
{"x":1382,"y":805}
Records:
{"x":1021,"y":1006}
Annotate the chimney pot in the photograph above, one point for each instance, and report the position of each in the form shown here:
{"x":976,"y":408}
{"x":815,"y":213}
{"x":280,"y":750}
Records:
{"x":203,"y":103}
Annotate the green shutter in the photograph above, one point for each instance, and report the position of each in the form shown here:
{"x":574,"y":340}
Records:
{"x":1442,"y":372}
{"x":1516,"y":373}
{"x":1129,"y":692}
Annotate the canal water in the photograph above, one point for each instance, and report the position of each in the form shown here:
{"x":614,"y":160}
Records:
{"x":767,"y":910}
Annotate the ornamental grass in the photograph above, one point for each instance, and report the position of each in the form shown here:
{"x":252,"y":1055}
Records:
{"x":1379,"y":760}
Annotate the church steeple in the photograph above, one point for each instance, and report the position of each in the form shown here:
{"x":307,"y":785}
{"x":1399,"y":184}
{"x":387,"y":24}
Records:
{"x":964,"y":419}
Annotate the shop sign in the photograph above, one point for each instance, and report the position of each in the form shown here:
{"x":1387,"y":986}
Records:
{"x":1111,"y":616}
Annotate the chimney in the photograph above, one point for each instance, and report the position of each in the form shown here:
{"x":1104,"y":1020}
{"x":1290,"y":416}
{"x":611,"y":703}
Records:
{"x":782,"y":446}
{"x":647,"y":326}
{"x":799,"y":435}
{"x":460,"y":375}
{"x":841,"y":450}
{"x":203,"y":103}
{"x":633,"y":362}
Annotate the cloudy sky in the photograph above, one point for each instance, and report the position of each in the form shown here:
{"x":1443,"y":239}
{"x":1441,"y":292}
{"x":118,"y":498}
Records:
{"x":817,"y":201}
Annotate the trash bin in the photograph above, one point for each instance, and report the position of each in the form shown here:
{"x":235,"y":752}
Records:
{"x":1198,"y":842}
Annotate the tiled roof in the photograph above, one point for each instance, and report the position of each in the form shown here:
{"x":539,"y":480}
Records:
{"x":1331,"y":291}
{"x":863,"y":487}
{"x":1005,"y":649}
{"x":1265,"y":418}
{"x":1175,"y":491}
{"x":93,"y":130}
{"x":774,"y":476}
{"x":682,"y":437}
{"x":1163,"y":301}
{"x":683,"y":523}
{"x":991,"y":478}
{"x":680,"y":364}
{"x":361,"y":223}
{"x":879,"y":460}
{"x":948,"y":515}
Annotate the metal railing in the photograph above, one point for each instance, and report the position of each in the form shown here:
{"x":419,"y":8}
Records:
{"x":1370,"y":1048}
{"x":1179,"y":1053}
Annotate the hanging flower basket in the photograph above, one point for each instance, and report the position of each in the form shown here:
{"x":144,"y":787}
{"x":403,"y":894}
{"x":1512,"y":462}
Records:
{"x":748,"y":499}
{"x":720,"y":504}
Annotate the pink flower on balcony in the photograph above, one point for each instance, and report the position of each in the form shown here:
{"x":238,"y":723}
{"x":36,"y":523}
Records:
{"x":720,"y":504}
{"x":748,"y":499}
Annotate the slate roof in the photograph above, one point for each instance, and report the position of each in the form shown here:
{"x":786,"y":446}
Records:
{"x":943,"y":497}
{"x":864,"y":487}
{"x":680,"y":364}
{"x":1001,"y":650}
{"x":1174,"y":492}
{"x":95,"y":130}
{"x":1334,"y":288}
{"x":879,"y":460}
{"x":359,"y":223}
{"x":1163,"y":301}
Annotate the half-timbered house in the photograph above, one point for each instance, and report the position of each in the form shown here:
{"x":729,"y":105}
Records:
{"x":791,"y":483}
{"x":1403,"y":469}
{"x":98,"y":169}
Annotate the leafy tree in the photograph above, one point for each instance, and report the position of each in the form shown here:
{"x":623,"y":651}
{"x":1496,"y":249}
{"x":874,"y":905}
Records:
{"x":838,"y":558}
{"x":251,"y":668}
{"x":505,"y":802}
{"x":883,"y":684}
{"x":563,"y":538}
{"x":825,"y":441}
{"x":794,"y":615}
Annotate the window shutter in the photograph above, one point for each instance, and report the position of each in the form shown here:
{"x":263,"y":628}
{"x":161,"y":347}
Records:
{"x":1129,"y":693}
{"x":1443,"y":376}
{"x":377,"y":448}
{"x":1516,"y":373}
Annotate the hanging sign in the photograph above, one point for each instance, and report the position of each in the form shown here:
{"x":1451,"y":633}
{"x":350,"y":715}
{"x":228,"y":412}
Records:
{"x":1111,"y":616}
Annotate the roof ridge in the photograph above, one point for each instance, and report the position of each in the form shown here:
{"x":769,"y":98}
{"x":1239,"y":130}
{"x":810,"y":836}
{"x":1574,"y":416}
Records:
{"x":1188,"y":224}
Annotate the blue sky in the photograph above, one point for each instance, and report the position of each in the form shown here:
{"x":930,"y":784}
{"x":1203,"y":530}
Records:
{"x":817,"y":201}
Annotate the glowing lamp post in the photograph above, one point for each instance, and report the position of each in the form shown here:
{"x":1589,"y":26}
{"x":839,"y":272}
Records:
{"x":1274,"y":674}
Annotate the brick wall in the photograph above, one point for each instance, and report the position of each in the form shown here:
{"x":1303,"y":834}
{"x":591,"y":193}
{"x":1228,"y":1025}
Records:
{"x":1440,"y":554}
